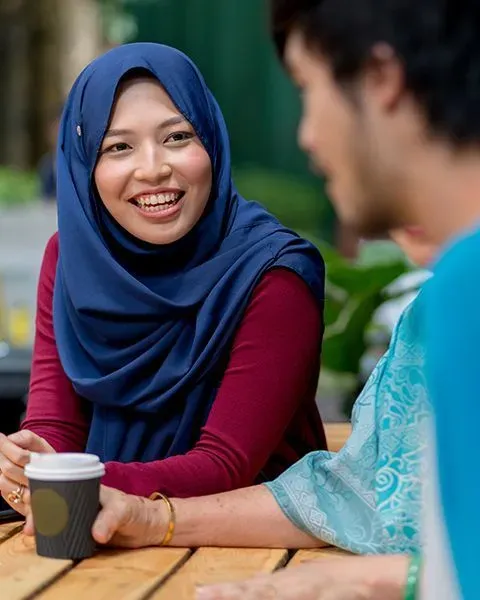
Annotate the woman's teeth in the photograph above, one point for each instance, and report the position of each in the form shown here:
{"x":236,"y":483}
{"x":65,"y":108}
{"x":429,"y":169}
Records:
{"x":158,"y":202}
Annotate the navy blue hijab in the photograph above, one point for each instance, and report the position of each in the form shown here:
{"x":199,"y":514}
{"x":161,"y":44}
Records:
{"x":144,"y":331}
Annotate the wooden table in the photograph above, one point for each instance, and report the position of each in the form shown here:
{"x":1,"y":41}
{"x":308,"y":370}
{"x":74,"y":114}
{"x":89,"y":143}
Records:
{"x":146,"y":574}
{"x":337,"y":434}
{"x":151,"y":573}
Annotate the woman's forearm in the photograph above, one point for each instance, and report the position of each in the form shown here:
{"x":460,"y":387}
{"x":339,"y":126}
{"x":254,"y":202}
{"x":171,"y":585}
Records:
{"x":249,"y":517}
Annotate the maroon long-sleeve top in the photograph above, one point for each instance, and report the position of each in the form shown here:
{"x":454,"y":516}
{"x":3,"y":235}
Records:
{"x":264,"y":416}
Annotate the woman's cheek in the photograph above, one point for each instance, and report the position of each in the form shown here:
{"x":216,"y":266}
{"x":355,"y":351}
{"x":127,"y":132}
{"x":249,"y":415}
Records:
{"x":194,"y":165}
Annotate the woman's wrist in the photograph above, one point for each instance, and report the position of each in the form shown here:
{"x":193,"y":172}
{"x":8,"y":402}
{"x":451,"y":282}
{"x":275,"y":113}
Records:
{"x":154,"y":519}
{"x":186,"y":527}
{"x":190,"y":521}
{"x":171,"y":516}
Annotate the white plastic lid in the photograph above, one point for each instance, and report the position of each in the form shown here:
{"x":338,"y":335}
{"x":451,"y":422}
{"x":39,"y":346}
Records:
{"x":64,"y":466}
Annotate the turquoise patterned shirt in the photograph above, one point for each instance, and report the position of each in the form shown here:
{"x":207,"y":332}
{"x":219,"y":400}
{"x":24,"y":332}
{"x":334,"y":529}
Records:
{"x":367,"y":497}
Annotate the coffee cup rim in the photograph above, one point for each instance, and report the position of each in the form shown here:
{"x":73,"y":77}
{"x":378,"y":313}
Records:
{"x":64,"y":466}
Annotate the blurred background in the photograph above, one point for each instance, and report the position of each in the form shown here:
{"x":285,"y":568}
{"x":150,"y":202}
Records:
{"x":44,"y":44}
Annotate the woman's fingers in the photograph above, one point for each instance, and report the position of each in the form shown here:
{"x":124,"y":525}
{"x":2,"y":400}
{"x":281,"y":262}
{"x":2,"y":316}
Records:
{"x":28,"y":442}
{"x":128,"y":521}
{"x":9,"y":487}
{"x":13,"y":452}
{"x":28,"y":528}
{"x":12,"y":472}
{"x":112,"y":515}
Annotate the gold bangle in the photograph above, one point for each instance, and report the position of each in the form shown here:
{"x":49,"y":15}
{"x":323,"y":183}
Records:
{"x":171,"y":517}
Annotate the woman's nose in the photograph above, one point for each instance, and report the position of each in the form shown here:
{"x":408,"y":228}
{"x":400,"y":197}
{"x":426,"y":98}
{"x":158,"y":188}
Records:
{"x":152,"y":166}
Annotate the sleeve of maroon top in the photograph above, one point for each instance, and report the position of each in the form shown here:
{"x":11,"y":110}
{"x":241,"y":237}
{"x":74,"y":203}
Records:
{"x":54,"y":411}
{"x":274,"y":355}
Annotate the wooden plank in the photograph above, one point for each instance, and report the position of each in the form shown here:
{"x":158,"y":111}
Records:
{"x":9,"y":529}
{"x":216,"y":565}
{"x":22,"y":571}
{"x":125,"y":574}
{"x":306,"y":555}
{"x":337,"y":434}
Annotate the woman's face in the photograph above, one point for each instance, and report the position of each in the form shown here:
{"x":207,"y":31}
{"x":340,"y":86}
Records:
{"x":153,"y":174}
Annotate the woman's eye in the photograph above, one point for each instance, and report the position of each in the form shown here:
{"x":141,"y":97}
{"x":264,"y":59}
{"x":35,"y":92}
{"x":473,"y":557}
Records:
{"x":179,"y":136}
{"x":120,"y":147}
{"x":116,"y":148}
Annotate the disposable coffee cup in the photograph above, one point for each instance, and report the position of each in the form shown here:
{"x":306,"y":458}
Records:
{"x":64,"y":491}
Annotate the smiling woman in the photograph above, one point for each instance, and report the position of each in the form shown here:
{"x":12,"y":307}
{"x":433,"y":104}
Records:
{"x":178,"y":326}
{"x":148,"y":139}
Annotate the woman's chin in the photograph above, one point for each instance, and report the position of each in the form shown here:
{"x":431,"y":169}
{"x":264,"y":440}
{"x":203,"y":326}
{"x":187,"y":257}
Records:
{"x":157,"y":234}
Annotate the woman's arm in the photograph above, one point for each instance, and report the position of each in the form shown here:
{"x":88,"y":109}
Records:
{"x":272,"y":366}
{"x":245,"y":518}
{"x":241,"y":518}
{"x":54,"y":411}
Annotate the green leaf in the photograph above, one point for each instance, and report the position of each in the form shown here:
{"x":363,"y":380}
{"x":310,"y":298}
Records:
{"x":344,"y":339}
{"x":379,"y":251}
{"x":368,"y":279}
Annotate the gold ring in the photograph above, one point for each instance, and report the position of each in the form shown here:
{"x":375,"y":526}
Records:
{"x":16,"y":496}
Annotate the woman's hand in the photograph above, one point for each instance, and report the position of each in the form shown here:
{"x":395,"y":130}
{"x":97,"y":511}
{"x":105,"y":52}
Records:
{"x":14,"y":455}
{"x":124,"y":520}
{"x":349,"y":578}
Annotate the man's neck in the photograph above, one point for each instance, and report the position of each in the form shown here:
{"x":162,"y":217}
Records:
{"x":444,"y":194}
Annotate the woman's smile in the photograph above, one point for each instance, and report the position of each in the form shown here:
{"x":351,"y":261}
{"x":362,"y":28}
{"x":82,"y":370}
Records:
{"x":159,"y":204}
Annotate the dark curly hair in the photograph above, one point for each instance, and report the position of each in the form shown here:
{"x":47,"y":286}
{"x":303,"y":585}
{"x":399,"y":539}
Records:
{"x":437,"y":41}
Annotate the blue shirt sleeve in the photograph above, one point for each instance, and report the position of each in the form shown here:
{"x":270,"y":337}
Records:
{"x":452,"y":345}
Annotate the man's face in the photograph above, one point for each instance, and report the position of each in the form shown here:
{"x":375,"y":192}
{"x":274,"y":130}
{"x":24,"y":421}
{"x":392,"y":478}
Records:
{"x":350,"y":141}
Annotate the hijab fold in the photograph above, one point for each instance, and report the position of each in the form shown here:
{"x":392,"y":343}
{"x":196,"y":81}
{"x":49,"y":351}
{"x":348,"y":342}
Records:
{"x":144,"y":331}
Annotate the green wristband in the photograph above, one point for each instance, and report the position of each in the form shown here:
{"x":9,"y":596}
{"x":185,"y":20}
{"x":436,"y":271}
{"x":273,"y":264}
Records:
{"x":412,"y":578}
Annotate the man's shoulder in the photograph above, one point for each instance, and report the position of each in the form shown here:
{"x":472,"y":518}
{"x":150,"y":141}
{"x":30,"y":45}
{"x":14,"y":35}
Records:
{"x":461,"y":257}
{"x":456,"y":280}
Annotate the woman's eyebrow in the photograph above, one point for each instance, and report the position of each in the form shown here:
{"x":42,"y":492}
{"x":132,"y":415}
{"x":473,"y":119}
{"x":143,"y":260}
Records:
{"x":167,"y":123}
{"x":172,"y":121}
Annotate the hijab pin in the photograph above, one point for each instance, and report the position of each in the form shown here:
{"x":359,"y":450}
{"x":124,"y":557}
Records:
{"x":79,"y":131}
